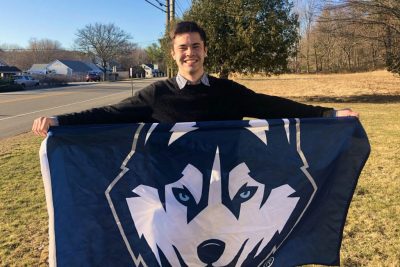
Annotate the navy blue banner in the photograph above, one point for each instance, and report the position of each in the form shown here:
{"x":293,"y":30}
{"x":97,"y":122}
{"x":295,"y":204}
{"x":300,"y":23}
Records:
{"x":233,"y":193}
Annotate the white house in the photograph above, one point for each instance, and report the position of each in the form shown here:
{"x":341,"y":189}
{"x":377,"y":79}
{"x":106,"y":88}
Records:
{"x":38,"y":69}
{"x":151,"y":70}
{"x":68,"y":67}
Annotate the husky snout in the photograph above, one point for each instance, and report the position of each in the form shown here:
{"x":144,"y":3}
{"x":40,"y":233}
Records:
{"x":210,"y":251}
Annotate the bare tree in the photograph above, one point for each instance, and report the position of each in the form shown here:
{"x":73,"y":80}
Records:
{"x":105,"y":42}
{"x":377,"y":21}
{"x":308,"y":11}
{"x":44,"y":50}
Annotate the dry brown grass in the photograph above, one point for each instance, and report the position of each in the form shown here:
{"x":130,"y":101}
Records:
{"x":377,"y":86}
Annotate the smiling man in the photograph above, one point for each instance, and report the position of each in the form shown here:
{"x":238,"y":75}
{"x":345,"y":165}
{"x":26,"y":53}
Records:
{"x":192,"y":95}
{"x":189,"y":50}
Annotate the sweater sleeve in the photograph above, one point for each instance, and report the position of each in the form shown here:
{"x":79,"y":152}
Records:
{"x":258,"y":105}
{"x":137,"y":108}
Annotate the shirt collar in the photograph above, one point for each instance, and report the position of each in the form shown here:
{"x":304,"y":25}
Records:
{"x":181,"y":81}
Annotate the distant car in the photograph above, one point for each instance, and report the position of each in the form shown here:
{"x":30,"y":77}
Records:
{"x":93,"y":77}
{"x":25,"y":80}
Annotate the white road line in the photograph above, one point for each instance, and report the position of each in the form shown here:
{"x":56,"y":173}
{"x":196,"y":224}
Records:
{"x":37,"y":111}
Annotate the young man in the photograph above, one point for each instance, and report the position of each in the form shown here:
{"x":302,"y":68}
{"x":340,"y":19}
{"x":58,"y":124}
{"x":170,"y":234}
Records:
{"x":190,"y":96}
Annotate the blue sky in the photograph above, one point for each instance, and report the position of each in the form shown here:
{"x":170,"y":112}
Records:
{"x":59,"y":20}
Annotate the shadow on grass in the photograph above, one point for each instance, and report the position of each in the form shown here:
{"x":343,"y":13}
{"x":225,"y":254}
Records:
{"x":277,"y":79}
{"x":366,"y":98}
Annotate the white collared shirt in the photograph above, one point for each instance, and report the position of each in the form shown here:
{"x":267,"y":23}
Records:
{"x":181,"y":81}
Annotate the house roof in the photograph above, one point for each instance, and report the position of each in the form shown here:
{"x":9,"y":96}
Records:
{"x":75,"y":65}
{"x":151,"y":66}
{"x":93,"y":66}
{"x":4,"y":69}
{"x":3,"y":63}
{"x":38,"y":67}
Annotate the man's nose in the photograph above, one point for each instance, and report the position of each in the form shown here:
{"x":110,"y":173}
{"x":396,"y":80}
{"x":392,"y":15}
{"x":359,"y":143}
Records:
{"x":189,"y":51}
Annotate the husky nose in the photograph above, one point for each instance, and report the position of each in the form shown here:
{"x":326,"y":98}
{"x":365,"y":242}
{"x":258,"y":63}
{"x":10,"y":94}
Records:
{"x":210,"y":251}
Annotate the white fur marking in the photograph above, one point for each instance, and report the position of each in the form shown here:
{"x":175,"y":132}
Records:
{"x":152,"y":127}
{"x":259,"y":129}
{"x":180,"y":129}
{"x":215,"y":181}
{"x":192,"y":179}
{"x":287,"y":130}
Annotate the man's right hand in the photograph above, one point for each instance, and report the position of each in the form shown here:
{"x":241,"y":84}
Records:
{"x":41,"y":125}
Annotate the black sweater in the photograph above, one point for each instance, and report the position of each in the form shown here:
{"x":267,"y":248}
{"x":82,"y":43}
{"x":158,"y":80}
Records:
{"x":163,"y":101}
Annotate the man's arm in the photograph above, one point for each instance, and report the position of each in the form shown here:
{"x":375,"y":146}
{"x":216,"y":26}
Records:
{"x":133,"y":109}
{"x":259,"y":105}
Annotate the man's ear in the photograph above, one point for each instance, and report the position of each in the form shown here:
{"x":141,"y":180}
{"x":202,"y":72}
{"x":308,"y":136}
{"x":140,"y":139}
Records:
{"x":173,"y":54}
{"x":205,"y":51}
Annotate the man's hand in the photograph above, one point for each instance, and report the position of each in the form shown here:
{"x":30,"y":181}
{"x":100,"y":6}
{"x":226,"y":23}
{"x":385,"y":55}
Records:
{"x":347,"y":112}
{"x":41,"y":125}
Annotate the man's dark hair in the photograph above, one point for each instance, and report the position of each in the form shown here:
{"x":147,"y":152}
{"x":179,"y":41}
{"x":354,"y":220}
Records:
{"x":187,"y":27}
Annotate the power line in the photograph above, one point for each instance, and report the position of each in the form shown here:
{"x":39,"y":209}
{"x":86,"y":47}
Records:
{"x":179,"y":7}
{"x":156,"y":6}
{"x":161,"y":4}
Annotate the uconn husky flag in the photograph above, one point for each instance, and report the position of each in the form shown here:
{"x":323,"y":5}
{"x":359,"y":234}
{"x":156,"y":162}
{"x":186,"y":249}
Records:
{"x":233,"y":193}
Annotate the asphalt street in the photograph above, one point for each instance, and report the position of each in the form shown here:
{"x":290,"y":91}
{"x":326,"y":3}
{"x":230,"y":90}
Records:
{"x":19,"y":109}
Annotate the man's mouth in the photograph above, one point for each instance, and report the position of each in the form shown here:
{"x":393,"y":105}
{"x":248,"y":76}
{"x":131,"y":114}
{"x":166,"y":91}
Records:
{"x":190,"y":61}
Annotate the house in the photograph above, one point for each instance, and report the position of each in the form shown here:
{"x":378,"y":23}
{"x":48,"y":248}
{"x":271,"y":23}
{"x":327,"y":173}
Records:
{"x":38,"y":69}
{"x":7,"y":71}
{"x":151,"y":70}
{"x":68,"y":67}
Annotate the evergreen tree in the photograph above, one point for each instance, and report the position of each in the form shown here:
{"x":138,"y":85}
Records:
{"x":246,"y":36}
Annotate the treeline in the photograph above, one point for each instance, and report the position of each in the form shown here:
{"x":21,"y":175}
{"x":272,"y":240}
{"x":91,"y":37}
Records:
{"x":252,"y":36}
{"x":44,"y":51}
{"x":348,"y":36}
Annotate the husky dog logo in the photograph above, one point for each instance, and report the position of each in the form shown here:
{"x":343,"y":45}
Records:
{"x":201,"y":194}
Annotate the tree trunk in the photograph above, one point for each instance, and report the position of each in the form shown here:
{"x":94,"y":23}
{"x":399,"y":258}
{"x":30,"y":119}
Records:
{"x":316,"y":60}
{"x":104,"y":70}
{"x":224,"y":73}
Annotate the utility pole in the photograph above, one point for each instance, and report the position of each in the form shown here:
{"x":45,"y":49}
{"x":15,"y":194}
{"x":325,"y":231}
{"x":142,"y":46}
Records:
{"x":172,"y":10}
{"x":168,"y":15}
{"x":170,"y":19}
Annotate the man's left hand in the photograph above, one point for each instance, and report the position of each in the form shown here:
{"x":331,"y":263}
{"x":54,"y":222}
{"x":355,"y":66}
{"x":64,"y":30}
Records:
{"x":346,"y":112}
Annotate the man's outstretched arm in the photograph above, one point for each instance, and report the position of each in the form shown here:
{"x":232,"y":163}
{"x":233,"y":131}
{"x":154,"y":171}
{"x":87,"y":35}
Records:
{"x":41,"y":125}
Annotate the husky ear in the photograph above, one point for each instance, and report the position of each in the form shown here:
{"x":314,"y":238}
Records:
{"x":150,"y":133}
{"x":162,"y":134}
{"x":180,"y":129}
{"x":291,"y":126}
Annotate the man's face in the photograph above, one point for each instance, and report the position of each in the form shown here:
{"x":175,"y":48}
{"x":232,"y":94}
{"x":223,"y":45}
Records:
{"x":189,"y":52}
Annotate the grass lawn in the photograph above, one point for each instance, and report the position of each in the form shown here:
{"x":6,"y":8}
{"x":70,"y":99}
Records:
{"x":372,"y":232}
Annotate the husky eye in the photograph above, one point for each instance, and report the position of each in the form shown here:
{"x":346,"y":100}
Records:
{"x":183,"y":195}
{"x":245,"y":193}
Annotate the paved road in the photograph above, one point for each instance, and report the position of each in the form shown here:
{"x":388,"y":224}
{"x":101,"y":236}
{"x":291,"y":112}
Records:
{"x":19,"y":109}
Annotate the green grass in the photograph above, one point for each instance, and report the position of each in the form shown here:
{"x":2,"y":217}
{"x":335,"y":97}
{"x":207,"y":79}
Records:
{"x":371,"y":235}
